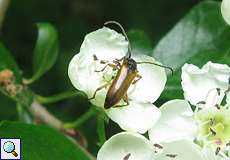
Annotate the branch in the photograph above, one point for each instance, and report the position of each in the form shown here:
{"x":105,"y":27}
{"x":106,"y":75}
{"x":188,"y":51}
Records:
{"x":41,"y":112}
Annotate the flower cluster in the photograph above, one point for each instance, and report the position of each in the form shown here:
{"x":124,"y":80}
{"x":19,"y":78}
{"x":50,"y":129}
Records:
{"x":196,"y":127}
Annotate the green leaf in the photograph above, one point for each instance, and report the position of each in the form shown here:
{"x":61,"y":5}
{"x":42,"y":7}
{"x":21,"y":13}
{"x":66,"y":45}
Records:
{"x":140,"y":42}
{"x":41,"y":142}
{"x":202,"y":32}
{"x":8,"y":62}
{"x":46,"y":50}
{"x":201,"y":36}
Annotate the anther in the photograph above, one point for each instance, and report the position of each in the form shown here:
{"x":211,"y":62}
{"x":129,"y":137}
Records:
{"x":127,"y":156}
{"x":171,"y":155}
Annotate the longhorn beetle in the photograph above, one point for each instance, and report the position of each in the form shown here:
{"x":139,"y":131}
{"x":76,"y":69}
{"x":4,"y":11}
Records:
{"x":127,"y":74}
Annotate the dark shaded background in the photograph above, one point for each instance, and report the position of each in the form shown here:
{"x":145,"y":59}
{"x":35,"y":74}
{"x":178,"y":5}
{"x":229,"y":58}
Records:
{"x":73,"y":19}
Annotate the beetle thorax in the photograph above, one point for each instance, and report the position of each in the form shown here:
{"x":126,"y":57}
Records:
{"x":132,"y":65}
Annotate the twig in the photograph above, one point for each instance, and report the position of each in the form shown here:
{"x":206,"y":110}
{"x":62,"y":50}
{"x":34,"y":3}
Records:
{"x":41,"y":112}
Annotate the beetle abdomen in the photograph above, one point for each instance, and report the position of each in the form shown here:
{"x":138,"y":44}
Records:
{"x":121,"y":83}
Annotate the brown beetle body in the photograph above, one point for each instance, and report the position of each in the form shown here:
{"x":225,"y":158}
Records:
{"x":124,"y":78}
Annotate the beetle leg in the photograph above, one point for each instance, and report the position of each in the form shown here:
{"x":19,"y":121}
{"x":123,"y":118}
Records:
{"x":98,"y":89}
{"x":115,"y":67}
{"x":119,"y":60}
{"x":126,"y":100}
{"x":138,"y":78}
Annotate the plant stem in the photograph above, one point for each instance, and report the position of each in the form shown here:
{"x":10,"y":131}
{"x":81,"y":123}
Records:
{"x":39,"y":111}
{"x":101,"y":129}
{"x":80,"y":120}
{"x":58,"y":97}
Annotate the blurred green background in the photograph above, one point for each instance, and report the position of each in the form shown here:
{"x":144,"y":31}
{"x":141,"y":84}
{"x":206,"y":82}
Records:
{"x":73,"y":20}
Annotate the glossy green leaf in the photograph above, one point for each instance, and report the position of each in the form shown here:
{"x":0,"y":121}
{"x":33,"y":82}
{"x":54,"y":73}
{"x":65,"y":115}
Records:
{"x":201,"y":36}
{"x":46,"y":50}
{"x":8,"y":62}
{"x":43,"y":143}
{"x":140,"y":42}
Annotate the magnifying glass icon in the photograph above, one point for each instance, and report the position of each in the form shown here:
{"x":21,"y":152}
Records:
{"x":9,"y":147}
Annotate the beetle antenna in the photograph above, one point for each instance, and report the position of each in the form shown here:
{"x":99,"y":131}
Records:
{"x":163,"y":66}
{"x":124,"y":33}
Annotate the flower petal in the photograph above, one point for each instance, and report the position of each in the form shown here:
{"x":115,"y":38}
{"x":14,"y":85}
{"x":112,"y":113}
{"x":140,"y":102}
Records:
{"x":228,"y":98}
{"x":200,"y":84}
{"x":137,"y":117}
{"x":225,"y":10}
{"x":180,"y":150}
{"x":209,"y":154}
{"x":176,"y":122}
{"x":152,"y":83}
{"x":85,"y":79}
{"x":105,"y":43}
{"x":125,"y":144}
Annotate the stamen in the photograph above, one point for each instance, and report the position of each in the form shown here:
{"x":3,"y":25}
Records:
{"x":217,"y":106}
{"x":212,"y":122}
{"x":104,"y":61}
{"x":127,"y":156}
{"x":158,"y":146}
{"x":206,"y":122}
{"x":95,"y":57}
{"x":201,"y":102}
{"x":217,"y":150}
{"x":213,"y":132}
{"x":218,"y":91}
{"x":171,"y":155}
{"x":228,"y":144}
{"x":207,"y":135}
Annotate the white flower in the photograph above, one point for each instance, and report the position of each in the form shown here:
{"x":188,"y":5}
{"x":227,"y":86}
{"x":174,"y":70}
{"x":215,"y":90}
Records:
{"x":225,"y":10}
{"x":204,"y":85}
{"x":214,"y":127}
{"x":176,"y":123}
{"x":181,"y":150}
{"x":107,"y":45}
{"x":209,"y":125}
{"x":133,"y":146}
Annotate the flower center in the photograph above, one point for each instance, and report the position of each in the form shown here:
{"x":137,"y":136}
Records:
{"x":214,"y":127}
